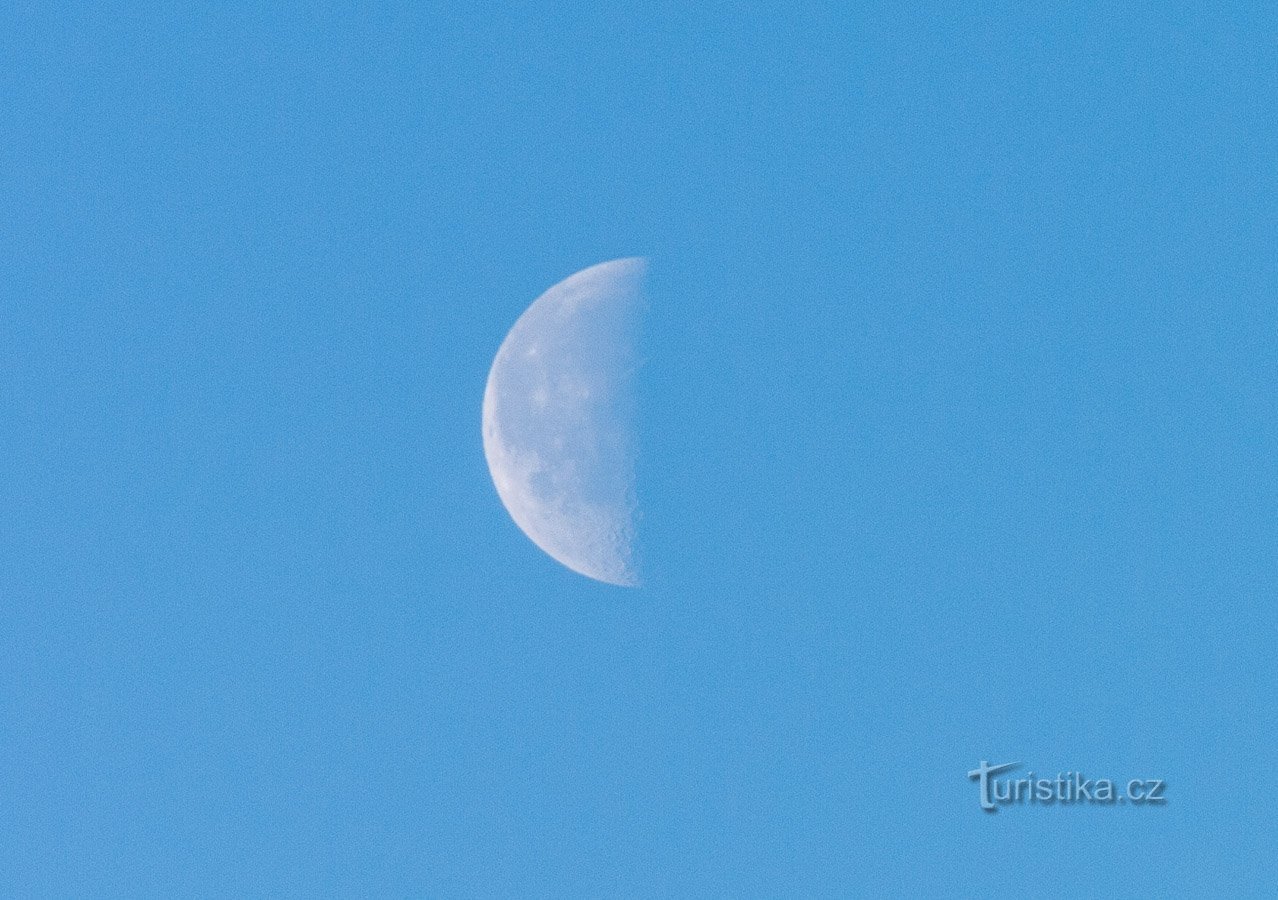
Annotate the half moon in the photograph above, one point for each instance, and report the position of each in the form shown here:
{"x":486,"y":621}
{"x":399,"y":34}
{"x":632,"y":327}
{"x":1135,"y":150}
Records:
{"x":558,"y":414}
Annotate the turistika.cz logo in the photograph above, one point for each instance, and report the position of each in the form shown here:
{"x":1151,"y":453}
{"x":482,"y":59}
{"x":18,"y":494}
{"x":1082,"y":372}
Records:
{"x":1065,"y":789}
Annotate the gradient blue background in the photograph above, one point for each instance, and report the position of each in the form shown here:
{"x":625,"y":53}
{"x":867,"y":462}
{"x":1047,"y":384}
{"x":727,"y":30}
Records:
{"x":959,"y":422}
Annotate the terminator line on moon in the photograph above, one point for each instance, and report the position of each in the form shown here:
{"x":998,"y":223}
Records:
{"x":557,"y":421}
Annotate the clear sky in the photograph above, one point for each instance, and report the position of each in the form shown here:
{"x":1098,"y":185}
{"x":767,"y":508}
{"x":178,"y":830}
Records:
{"x":959,"y":430}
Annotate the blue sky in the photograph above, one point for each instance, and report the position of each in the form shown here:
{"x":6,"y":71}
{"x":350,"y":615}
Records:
{"x":959,"y":435}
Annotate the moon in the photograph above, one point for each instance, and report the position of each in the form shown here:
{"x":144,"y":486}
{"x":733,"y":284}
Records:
{"x":558,"y":421}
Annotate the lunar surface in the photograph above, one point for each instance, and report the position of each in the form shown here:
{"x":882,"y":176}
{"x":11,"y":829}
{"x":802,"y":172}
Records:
{"x":558,"y":421}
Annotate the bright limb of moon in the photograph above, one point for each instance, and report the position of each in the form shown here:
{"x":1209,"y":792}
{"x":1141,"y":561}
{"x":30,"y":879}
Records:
{"x":557,"y":420}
